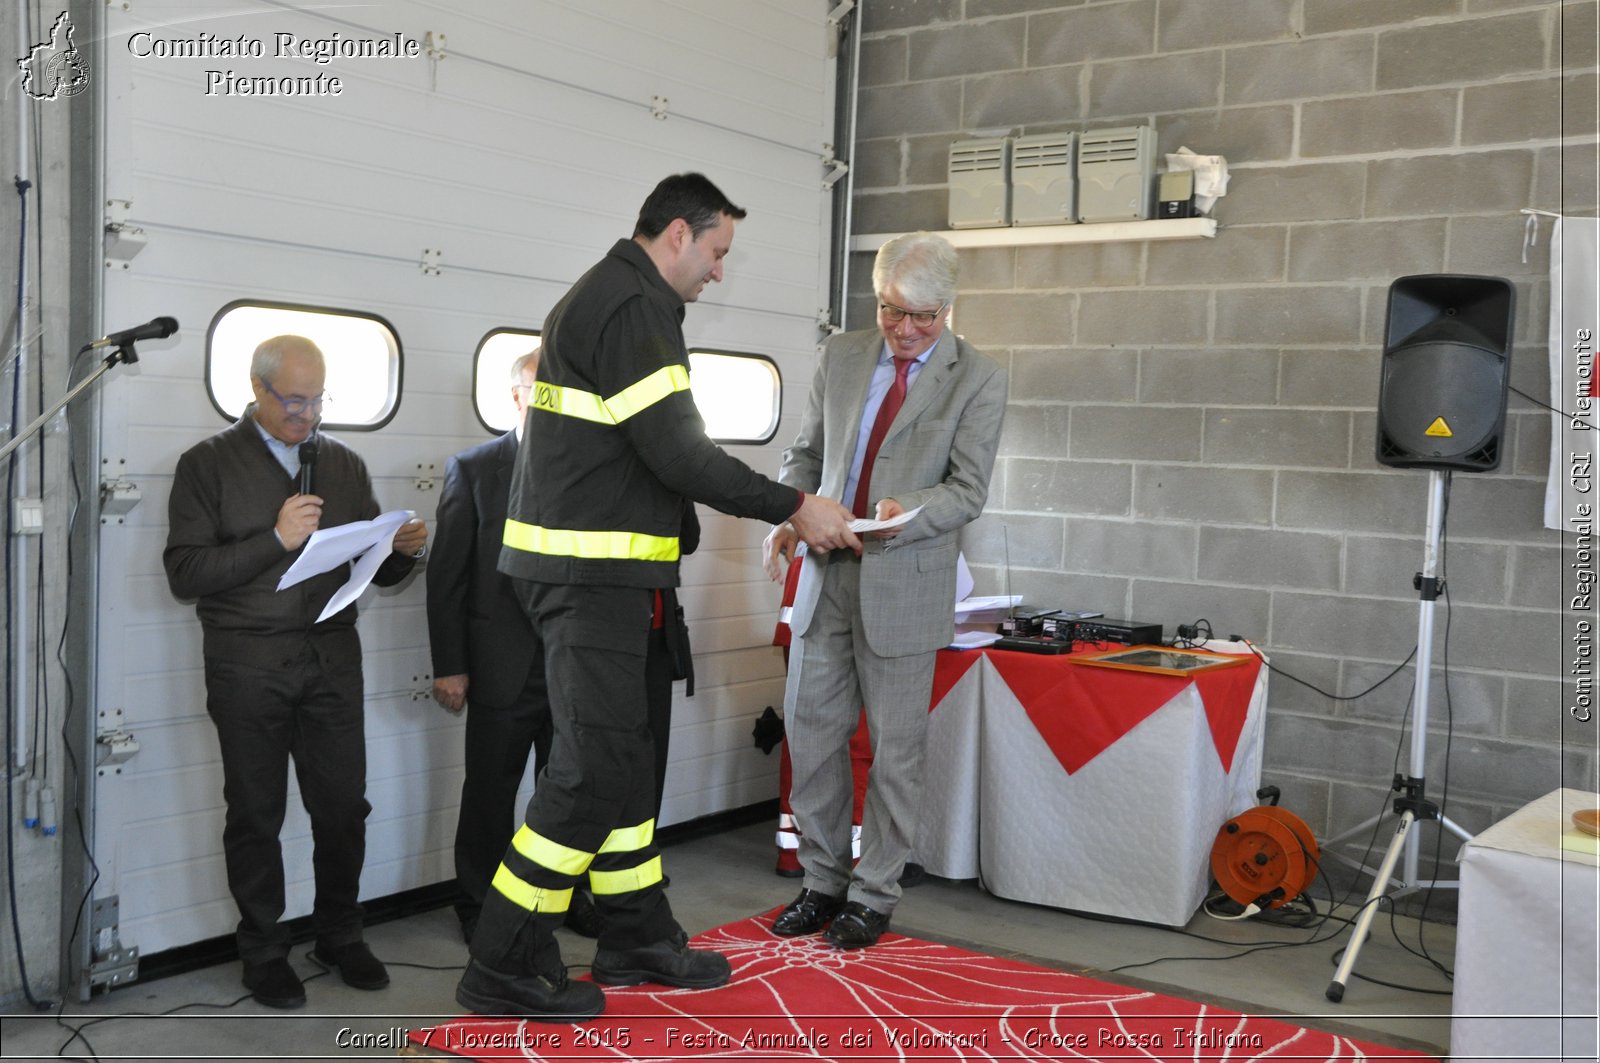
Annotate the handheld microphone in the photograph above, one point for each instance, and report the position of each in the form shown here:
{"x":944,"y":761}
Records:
{"x":160,"y":328}
{"x":308,"y":458}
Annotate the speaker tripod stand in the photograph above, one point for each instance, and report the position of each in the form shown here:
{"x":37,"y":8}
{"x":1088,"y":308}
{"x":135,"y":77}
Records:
{"x":1412,"y":804}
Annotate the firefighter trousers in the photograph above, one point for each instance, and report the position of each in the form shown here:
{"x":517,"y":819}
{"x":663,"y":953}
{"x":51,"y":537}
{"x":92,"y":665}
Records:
{"x":592,"y":816}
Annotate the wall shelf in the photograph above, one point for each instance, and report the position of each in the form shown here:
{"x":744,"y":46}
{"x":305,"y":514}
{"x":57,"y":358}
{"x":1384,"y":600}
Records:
{"x":1034,"y":235}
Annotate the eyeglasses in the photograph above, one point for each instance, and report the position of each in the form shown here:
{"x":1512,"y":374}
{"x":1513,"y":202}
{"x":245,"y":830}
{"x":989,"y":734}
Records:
{"x":296,"y":405}
{"x":920,"y":318}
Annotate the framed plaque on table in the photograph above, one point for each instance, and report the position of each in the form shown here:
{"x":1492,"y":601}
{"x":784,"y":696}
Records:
{"x":1161,"y":660}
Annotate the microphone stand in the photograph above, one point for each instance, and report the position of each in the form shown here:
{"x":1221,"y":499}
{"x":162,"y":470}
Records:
{"x":123,"y":353}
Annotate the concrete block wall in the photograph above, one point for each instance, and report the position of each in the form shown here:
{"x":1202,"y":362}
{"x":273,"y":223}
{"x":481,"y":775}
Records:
{"x":1191,"y":426}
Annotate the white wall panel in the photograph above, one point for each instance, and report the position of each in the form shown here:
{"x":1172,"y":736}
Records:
{"x":519,"y":158}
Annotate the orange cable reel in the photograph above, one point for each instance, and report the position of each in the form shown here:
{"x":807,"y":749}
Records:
{"x":1265,"y":857}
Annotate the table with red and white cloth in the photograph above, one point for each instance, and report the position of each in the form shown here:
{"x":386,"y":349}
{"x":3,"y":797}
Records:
{"x":1094,"y":789}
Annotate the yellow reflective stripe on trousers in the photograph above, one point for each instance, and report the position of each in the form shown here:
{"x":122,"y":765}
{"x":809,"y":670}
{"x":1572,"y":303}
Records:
{"x":553,"y":855}
{"x":630,"y":839}
{"x":587,"y":406}
{"x":530,"y":898}
{"x":627,"y":880}
{"x":591,"y":545}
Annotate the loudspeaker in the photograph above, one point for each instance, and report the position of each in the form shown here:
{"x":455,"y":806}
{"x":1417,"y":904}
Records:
{"x":1446,"y":356}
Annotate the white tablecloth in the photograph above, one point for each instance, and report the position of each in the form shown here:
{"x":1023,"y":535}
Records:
{"x":1128,"y":834}
{"x":1526,"y":941}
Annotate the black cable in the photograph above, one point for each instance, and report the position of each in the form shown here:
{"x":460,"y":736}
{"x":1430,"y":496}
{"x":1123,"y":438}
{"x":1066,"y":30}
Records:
{"x":1421,"y":944}
{"x":77,"y":1031}
{"x":1339,"y":954}
{"x":1273,"y":946}
{"x":324,"y":971}
{"x":1275,"y":670}
{"x":1574,"y":418}
{"x":41,"y":689}
{"x":16,"y":398}
{"x":1264,"y":946}
{"x":69,"y":701}
{"x":1192,"y":635}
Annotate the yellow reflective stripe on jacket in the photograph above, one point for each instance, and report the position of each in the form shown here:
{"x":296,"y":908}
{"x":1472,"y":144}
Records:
{"x":591,"y":545}
{"x":630,"y":839}
{"x":647,"y":392}
{"x":571,"y":402}
{"x":546,"y":853}
{"x":611,"y":883}
{"x":530,"y":898}
{"x":587,"y":406}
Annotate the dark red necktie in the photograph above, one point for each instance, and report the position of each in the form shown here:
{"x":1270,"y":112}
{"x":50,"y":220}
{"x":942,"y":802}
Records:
{"x":880,"y":428}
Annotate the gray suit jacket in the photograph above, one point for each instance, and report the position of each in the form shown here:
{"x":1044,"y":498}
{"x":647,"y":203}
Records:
{"x":938,"y":455}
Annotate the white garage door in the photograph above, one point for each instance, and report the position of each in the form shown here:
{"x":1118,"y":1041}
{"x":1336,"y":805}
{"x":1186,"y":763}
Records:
{"x":450,"y":192}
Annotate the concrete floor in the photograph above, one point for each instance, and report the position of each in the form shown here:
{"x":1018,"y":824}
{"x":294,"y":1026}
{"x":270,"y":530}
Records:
{"x":207,"y":1014}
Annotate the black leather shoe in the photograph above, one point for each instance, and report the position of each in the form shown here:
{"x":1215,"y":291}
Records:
{"x":912,"y":875}
{"x":583,"y":918}
{"x":857,"y":927}
{"x":274,"y":983}
{"x":806,"y":914}
{"x":669,"y":962}
{"x":485,"y":991}
{"x":359,"y":968}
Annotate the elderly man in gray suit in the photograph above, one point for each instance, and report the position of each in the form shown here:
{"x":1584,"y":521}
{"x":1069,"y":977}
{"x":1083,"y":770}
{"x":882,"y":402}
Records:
{"x":904,"y":418}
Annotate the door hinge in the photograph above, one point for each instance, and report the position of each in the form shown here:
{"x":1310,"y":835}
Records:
{"x":112,"y":963}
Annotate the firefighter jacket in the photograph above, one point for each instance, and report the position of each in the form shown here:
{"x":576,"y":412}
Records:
{"x":613,"y":443}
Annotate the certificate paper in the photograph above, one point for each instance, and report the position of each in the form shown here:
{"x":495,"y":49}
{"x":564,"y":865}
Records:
{"x":364,"y":542}
{"x":867,"y":524}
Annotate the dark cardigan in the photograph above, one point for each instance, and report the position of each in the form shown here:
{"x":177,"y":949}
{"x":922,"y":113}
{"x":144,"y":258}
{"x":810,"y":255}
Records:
{"x":222,"y":552}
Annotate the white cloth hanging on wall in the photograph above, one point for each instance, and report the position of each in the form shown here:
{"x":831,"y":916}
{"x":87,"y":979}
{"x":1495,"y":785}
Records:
{"x":1574,"y":322}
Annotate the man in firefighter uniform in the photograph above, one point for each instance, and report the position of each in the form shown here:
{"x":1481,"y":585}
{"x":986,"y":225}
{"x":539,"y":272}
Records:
{"x":612,"y":446}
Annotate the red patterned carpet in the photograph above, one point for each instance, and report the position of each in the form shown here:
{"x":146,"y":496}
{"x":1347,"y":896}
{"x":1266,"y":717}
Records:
{"x":904,"y":999}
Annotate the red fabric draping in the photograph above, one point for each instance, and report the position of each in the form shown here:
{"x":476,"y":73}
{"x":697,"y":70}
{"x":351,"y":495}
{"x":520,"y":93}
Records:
{"x":1080,"y":711}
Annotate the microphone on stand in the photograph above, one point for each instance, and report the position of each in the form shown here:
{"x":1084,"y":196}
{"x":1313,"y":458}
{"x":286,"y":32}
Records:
{"x":160,"y":328}
{"x":308,"y":458}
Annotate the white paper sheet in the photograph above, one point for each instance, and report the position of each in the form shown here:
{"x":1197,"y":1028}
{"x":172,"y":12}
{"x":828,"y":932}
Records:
{"x":365,"y":542}
{"x":972,"y":640}
{"x":998,"y":604}
{"x":866,"y":525}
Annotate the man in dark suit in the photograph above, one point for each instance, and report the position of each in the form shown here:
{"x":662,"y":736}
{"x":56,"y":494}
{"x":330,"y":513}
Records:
{"x":904,"y":418}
